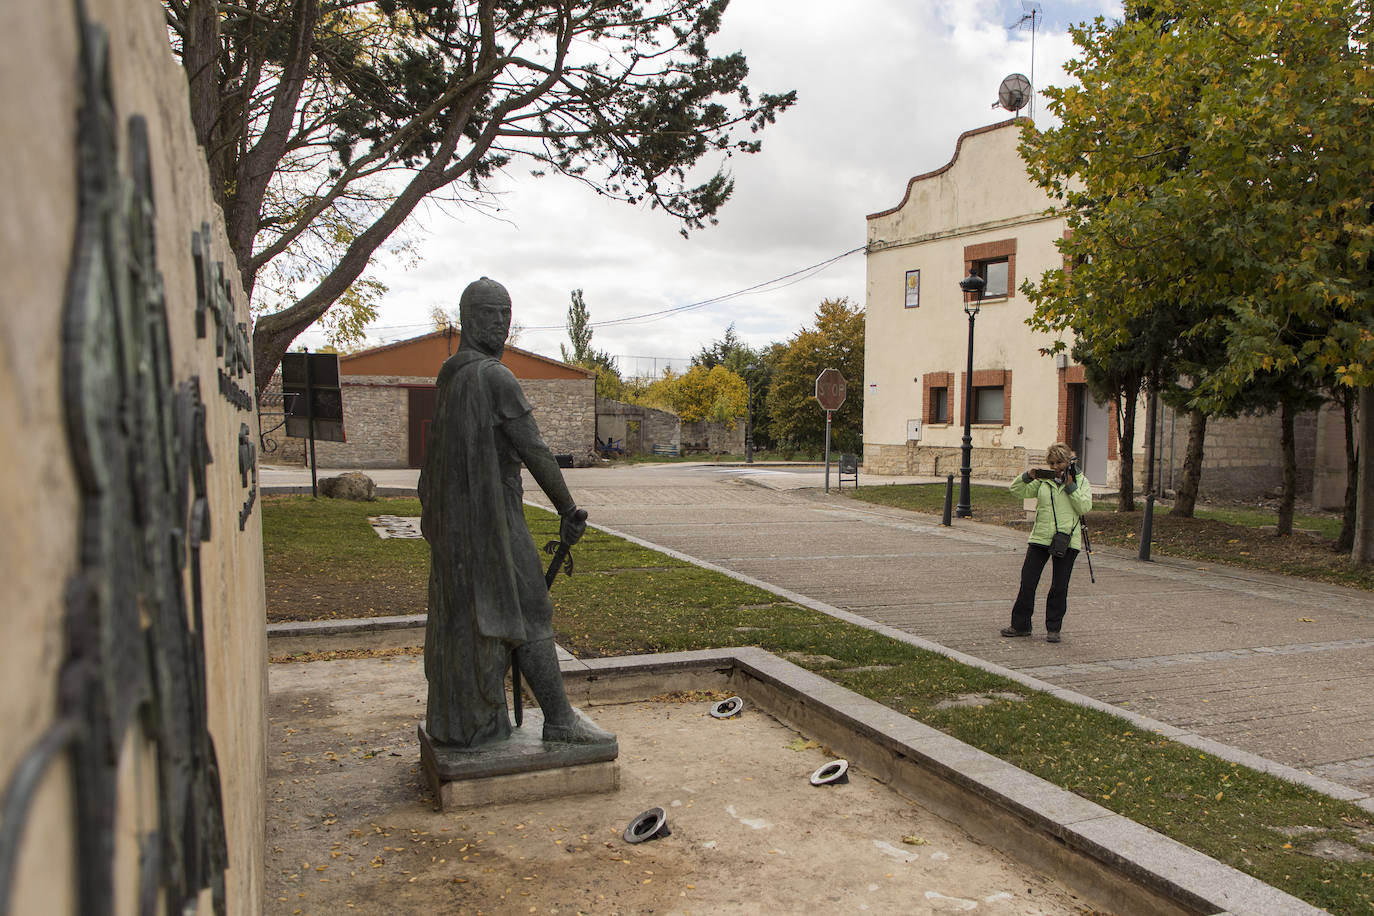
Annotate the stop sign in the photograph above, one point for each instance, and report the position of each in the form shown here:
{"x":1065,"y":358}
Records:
{"x":830,"y":389}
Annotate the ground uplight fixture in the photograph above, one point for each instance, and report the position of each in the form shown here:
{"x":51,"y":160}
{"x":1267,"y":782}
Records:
{"x":834,"y":773}
{"x":651,"y":825}
{"x":725,"y":709}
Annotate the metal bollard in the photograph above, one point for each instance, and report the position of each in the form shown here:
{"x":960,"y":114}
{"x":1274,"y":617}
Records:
{"x":1147,"y":527}
{"x":949,"y":500}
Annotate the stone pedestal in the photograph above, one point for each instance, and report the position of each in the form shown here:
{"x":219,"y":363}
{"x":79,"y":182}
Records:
{"x":525,"y":768}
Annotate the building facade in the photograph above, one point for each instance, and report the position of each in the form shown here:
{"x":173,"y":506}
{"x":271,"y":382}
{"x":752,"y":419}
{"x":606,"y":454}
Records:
{"x":980,"y":212}
{"x":389,"y":394}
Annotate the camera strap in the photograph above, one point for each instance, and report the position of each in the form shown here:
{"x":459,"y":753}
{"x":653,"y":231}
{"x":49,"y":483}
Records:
{"x":1055,"y":513}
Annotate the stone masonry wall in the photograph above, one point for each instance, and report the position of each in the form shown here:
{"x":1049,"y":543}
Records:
{"x":656,"y":427}
{"x":934,"y":461}
{"x":377,"y":422}
{"x":1242,"y":458}
{"x":565,"y":410}
{"x":661,"y":428}
{"x":713,"y":438}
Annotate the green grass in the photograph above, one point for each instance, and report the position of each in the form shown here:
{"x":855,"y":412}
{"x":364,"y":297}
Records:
{"x":301,"y":528}
{"x":328,"y":534}
{"x":625,"y":599}
{"x":930,"y":497}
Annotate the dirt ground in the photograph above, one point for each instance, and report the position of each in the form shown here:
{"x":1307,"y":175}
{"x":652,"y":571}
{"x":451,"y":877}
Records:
{"x":351,"y":825}
{"x":326,"y":597}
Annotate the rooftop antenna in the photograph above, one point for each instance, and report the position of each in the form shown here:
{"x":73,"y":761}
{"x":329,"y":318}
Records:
{"x":1030,"y":18}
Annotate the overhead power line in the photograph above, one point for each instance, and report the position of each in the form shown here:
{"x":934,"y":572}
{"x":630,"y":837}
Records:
{"x":776,"y":283}
{"x":781,"y":282}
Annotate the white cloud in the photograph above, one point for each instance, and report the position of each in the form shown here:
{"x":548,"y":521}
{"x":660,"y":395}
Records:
{"x":884,"y":87}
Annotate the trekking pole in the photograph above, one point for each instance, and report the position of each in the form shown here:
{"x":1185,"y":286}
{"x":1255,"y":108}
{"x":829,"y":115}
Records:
{"x":1088,"y":549}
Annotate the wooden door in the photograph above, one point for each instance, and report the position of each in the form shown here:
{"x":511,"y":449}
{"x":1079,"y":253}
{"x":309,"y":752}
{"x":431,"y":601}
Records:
{"x":422,"y":402}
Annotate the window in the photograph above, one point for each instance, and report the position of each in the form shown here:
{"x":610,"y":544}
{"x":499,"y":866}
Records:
{"x":913,"y":289}
{"x":988,"y":404}
{"x":995,"y":262}
{"x":991,"y":398}
{"x":937,"y":397}
{"x":995,"y":273}
{"x":939,"y":405}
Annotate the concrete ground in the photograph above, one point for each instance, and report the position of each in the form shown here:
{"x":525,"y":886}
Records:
{"x":351,"y":827}
{"x":1278,"y":669}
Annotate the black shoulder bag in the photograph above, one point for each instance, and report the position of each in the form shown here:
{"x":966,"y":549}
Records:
{"x":1060,"y":540}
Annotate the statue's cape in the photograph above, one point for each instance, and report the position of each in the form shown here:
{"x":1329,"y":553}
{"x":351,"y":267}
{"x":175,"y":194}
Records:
{"x":466,"y":516}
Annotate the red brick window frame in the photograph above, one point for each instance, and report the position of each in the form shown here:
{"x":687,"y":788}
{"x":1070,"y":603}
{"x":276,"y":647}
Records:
{"x":989,"y":378}
{"x":976,"y":257}
{"x":932,"y":384}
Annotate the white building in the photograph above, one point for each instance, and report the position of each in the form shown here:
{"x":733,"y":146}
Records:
{"x":982,"y":212}
{"x":979,"y":212}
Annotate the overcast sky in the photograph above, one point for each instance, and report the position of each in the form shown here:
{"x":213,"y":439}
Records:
{"x":885,"y":88}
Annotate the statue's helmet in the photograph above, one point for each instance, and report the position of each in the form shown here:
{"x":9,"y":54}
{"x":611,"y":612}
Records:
{"x":485,"y":290}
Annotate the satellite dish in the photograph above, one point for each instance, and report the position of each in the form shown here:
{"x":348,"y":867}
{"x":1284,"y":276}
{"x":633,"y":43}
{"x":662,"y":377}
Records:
{"x":1014,"y":92}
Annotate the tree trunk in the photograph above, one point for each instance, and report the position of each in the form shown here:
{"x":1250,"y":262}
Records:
{"x":1126,"y":443}
{"x":1151,"y":422}
{"x":1362,"y":550}
{"x":1185,"y":500}
{"x":1290,"y":468}
{"x":1347,"y":538}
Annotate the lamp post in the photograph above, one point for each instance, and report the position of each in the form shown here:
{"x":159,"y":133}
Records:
{"x":972,"y":287}
{"x":749,"y":417}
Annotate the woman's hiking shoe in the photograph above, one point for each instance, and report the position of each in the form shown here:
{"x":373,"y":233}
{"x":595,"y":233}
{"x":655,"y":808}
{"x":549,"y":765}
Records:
{"x":1052,"y":636}
{"x":1008,"y":631}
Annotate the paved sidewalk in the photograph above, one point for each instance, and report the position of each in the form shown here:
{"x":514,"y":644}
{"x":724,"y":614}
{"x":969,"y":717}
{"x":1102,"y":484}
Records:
{"x":1276,"y":667}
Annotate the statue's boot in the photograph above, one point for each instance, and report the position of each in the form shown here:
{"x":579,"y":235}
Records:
{"x":539,"y":666}
{"x":580,"y":731}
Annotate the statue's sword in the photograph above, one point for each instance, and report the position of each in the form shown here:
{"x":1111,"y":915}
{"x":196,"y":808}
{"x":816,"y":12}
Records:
{"x":562,"y":560}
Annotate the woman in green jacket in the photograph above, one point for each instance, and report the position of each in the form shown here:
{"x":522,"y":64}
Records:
{"x":1060,"y":501}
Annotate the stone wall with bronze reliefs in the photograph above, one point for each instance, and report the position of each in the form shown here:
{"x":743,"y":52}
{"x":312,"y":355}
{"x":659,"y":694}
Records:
{"x":132,"y":698}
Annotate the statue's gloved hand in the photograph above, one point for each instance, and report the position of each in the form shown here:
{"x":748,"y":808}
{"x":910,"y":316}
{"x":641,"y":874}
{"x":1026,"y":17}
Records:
{"x":572,"y":526}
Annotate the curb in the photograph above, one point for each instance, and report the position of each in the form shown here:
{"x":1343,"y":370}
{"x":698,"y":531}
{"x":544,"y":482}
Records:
{"x":283,"y":490}
{"x":1135,"y":868}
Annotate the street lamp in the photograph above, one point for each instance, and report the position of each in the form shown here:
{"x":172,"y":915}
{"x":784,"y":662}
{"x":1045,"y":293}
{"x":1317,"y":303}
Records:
{"x":749,"y":418}
{"x":972,"y":286}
